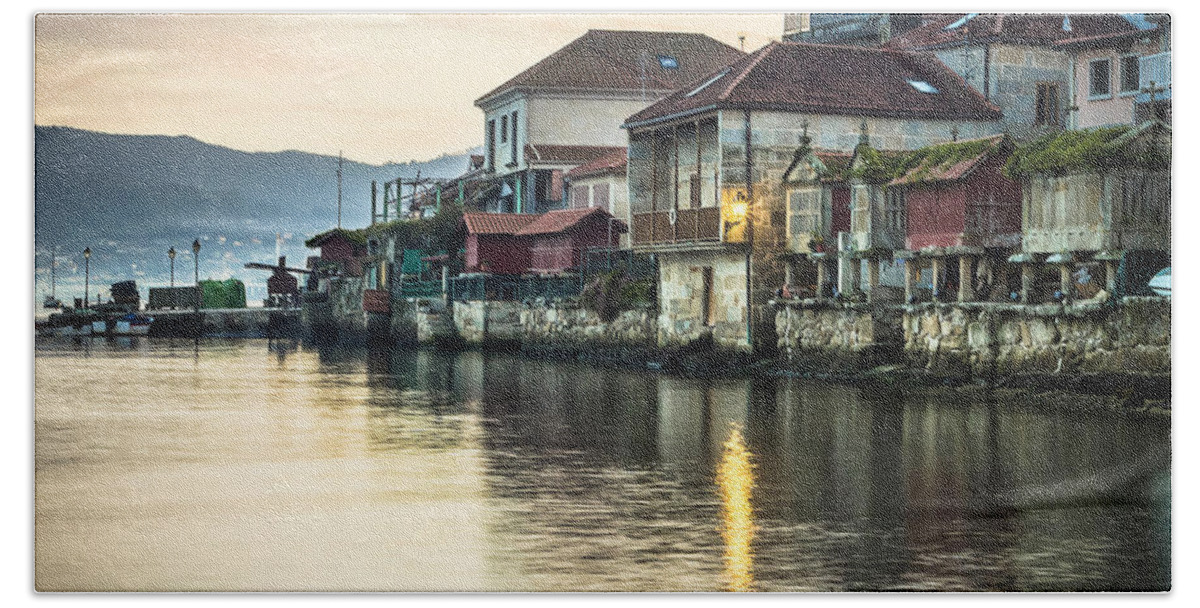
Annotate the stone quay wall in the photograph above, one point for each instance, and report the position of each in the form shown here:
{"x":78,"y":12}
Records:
{"x":1009,"y":339}
{"x":552,"y":323}
{"x":982,"y":339}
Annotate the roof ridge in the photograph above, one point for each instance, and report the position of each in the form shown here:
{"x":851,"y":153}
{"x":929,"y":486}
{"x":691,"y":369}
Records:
{"x":754,"y":61}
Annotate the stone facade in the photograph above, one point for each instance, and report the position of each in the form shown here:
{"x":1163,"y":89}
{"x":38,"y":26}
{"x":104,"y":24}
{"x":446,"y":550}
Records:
{"x":567,"y":324}
{"x":488,"y":321}
{"x":820,"y":331}
{"x":683,"y":317}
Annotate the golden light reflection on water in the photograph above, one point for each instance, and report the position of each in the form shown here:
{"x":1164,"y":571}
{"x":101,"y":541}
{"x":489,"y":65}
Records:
{"x":735,"y":482}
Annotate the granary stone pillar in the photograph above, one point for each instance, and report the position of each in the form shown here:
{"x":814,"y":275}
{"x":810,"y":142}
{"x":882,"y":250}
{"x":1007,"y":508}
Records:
{"x":847,"y":265}
{"x":1026,"y":282}
{"x":1110,"y":277}
{"x":822,"y":276}
{"x":935,"y":265}
{"x":1064,"y":282}
{"x":873,"y":275}
{"x":911,"y":268}
{"x":965,"y":279}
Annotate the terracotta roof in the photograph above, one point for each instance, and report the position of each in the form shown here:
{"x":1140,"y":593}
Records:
{"x":1033,"y":29}
{"x":613,"y":162}
{"x":565,"y":155}
{"x":564,"y":219}
{"x":828,"y":79}
{"x":931,"y":170}
{"x":1103,"y":40}
{"x":497,"y":223}
{"x":609,"y":60}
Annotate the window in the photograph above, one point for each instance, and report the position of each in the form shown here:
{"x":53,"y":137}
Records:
{"x":1099,"y":71}
{"x":504,"y":128}
{"x":1130,"y":73}
{"x":923,"y":86}
{"x":491,"y":145}
{"x":1046,"y":108}
{"x":600,"y":197}
{"x":694,"y":191}
{"x":579,"y":197}
{"x":513,"y":139}
{"x":668,"y":62}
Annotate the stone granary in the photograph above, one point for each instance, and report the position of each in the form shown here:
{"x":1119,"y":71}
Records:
{"x":1095,"y":203}
{"x":567,"y":109}
{"x":707,"y":165}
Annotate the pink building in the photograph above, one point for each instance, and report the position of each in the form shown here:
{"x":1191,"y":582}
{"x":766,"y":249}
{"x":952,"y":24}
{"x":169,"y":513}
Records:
{"x":1113,"y":75}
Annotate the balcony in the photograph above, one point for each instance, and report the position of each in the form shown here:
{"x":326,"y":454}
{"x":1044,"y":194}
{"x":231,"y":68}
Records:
{"x":701,"y":225}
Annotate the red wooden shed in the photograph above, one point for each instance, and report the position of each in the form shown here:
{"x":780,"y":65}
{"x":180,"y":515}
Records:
{"x":552,"y":242}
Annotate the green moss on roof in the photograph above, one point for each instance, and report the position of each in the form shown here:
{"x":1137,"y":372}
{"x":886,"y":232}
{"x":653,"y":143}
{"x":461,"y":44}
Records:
{"x":1086,"y":150}
{"x":919,"y":165}
{"x":358,"y":237}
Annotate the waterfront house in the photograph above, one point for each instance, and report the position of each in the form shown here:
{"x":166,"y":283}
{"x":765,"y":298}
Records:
{"x":706,"y":169}
{"x":342,"y":252}
{"x":1013,"y":60}
{"x":1095,"y":203}
{"x":1121,"y":77}
{"x":602,"y":183}
{"x":567,"y":109}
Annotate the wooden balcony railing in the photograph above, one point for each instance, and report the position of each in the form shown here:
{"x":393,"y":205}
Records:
{"x":690,"y":225}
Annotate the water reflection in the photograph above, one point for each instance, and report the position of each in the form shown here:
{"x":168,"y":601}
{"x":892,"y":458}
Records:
{"x":735,"y":481}
{"x":289,"y":468}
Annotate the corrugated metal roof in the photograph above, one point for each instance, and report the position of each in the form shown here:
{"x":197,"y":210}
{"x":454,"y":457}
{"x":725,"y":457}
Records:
{"x":615,"y":161}
{"x":497,"y":223}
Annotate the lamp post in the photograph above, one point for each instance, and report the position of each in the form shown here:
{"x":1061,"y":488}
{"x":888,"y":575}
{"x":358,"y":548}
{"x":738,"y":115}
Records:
{"x":87,"y":274}
{"x":196,"y":258}
{"x":171,"y":254}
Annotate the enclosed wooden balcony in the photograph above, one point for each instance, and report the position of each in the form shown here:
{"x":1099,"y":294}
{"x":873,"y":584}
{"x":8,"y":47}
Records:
{"x":677,"y":227}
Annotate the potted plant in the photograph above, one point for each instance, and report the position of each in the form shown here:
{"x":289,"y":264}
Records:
{"x":816,"y":243}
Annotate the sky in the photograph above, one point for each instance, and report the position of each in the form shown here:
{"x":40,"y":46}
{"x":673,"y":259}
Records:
{"x":380,"y":87}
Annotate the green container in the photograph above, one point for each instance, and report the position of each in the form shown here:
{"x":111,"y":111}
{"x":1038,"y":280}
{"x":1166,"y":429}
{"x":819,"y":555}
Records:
{"x":230,"y":293}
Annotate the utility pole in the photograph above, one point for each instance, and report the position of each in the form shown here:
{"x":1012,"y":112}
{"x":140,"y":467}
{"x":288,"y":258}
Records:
{"x":339,"y":176}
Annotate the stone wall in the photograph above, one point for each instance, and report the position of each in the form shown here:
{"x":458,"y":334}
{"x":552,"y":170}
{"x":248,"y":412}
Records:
{"x":488,"y":321}
{"x":1007,"y":339}
{"x":820,"y":332}
{"x":568,"y":324}
{"x":982,"y":339}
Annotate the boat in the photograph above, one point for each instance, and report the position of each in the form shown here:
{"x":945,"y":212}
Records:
{"x":51,"y":302}
{"x":1161,"y":283}
{"x":133,"y":324}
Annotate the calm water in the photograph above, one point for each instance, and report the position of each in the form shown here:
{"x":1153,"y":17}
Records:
{"x":248,"y":465}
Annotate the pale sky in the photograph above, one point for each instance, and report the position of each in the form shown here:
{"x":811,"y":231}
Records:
{"x":379,"y":87}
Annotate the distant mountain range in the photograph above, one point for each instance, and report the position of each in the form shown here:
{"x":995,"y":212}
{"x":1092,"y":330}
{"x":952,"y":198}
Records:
{"x":130,"y":196}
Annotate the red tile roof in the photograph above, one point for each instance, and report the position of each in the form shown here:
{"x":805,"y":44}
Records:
{"x":565,"y":219}
{"x":613,"y":162}
{"x":607,"y":60}
{"x":497,"y":223}
{"x":1103,"y":40}
{"x":1037,"y":29}
{"x":828,"y":79}
{"x":566,"y":155}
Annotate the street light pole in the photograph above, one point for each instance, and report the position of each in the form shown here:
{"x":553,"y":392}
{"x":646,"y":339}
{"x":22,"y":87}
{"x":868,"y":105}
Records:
{"x":196,"y":259}
{"x":87,"y":274}
{"x":171,"y":254}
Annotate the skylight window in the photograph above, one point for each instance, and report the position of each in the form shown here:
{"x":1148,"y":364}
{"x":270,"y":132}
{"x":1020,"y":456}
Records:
{"x":708,"y":82}
{"x":961,"y":22}
{"x":668,"y":62}
{"x":923,"y":86}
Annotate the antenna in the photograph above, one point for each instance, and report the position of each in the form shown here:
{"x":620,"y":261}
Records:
{"x":339,"y":176}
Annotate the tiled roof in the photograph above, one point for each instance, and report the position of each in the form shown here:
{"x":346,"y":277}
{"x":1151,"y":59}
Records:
{"x":497,"y":223}
{"x":836,"y":162}
{"x":565,"y":219}
{"x":606,"y":60}
{"x":614,"y":162}
{"x":930,"y":170}
{"x":1036,"y":29}
{"x":828,"y":79}
{"x":1103,"y":40}
{"x":566,"y":155}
